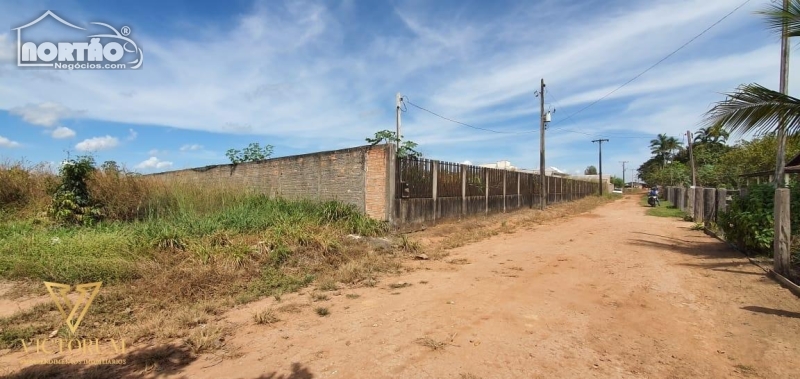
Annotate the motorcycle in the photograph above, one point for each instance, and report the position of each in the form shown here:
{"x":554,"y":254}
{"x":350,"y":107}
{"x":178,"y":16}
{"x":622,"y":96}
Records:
{"x":652,"y":199}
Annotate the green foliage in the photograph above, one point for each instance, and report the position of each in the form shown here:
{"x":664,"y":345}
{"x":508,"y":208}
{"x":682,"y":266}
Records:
{"x":591,"y":170}
{"x":717,"y":164}
{"x":406,"y":149}
{"x":618,"y":183}
{"x":110,"y":167}
{"x":71,"y":202}
{"x":252,"y":153}
{"x":748,"y":222}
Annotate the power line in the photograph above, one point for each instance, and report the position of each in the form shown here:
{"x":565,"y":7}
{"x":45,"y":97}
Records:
{"x":659,"y":62}
{"x":461,"y":123}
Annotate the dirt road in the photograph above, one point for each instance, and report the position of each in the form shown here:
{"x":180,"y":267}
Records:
{"x":608,"y":294}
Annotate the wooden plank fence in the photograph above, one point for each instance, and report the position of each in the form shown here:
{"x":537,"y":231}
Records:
{"x":430,"y":190}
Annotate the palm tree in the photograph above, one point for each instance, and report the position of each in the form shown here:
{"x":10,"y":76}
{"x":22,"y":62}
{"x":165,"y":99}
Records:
{"x":754,"y":108}
{"x":665,"y":147}
{"x":714,"y":134}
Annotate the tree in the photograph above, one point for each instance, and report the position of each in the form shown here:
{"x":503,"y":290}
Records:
{"x":665,"y":147}
{"x":591,"y":170}
{"x":754,"y":108}
{"x":713,"y":134}
{"x":110,"y":167}
{"x":618,"y":183}
{"x":406,"y":149}
{"x":252,"y":153}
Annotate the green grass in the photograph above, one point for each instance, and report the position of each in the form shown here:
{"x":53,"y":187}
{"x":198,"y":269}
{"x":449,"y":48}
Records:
{"x":109,"y":251}
{"x":665,"y":210}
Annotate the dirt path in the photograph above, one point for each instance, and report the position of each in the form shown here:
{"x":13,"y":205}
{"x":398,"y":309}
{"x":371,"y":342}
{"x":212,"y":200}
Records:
{"x":608,"y":294}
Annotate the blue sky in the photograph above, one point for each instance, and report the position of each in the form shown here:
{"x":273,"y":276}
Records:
{"x":306,"y":76}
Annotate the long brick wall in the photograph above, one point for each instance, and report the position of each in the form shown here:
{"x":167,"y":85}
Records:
{"x":354,"y":176}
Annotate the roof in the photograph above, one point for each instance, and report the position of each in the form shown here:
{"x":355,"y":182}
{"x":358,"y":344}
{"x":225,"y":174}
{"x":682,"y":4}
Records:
{"x":792,"y":167}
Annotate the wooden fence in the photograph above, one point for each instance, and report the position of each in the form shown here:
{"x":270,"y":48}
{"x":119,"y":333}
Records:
{"x":429,"y":190}
{"x":703,"y":204}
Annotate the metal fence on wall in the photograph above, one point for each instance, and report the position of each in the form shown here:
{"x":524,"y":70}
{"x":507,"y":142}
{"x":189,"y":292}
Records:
{"x":429,"y":190}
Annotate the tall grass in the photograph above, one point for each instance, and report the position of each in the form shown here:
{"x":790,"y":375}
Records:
{"x":147,"y":216}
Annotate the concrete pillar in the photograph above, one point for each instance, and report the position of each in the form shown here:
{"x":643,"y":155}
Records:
{"x":435,"y":186}
{"x":689,"y":209}
{"x":709,"y":206}
{"x":463,"y":190}
{"x":783,"y":233}
{"x":698,"y":204}
{"x":722,"y":203}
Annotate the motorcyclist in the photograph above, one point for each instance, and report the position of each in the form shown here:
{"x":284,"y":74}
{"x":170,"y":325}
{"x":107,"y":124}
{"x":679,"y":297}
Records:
{"x":654,"y":192}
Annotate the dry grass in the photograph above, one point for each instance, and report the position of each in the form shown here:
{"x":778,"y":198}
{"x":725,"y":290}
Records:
{"x":322,"y":311}
{"x":291,"y":308}
{"x":455,"y":234}
{"x":431,"y":343}
{"x":265,"y":317}
{"x":316,"y":296}
{"x":352,"y":296}
{"x":206,"y":339}
{"x":468,"y":376}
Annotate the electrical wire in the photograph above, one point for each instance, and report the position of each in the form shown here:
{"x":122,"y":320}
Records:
{"x":657,"y":63}
{"x":464,"y":124}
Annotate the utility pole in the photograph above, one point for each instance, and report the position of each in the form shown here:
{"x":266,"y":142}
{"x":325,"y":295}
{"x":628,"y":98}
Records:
{"x":691,"y":158}
{"x":600,"y":182}
{"x":543,"y":192}
{"x":623,"y":175}
{"x":398,"y":100}
{"x":784,"y":88}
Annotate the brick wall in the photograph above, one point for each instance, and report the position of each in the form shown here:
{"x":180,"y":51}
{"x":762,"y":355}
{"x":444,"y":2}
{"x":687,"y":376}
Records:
{"x":354,"y":176}
{"x":375,"y":191}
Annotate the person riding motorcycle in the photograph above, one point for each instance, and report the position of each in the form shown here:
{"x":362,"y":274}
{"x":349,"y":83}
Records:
{"x":654,"y":192}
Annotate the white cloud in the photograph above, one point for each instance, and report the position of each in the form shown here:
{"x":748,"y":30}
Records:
{"x":132,"y":134}
{"x":466,"y":162}
{"x":63,"y":132}
{"x":152,"y":163}
{"x":465,"y":65}
{"x":5,"y":142}
{"x":46,"y":114}
{"x":98,"y":143}
{"x":191,"y":147}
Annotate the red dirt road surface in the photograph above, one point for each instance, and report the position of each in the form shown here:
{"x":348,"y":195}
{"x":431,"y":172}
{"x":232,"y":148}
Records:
{"x":611,"y":293}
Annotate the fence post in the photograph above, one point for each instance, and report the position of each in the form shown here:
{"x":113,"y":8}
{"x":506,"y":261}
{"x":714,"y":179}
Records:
{"x":463,"y":190}
{"x":690,"y":201}
{"x":486,"y":170}
{"x":519,"y":194}
{"x":435,"y":187}
{"x":698,"y":204}
{"x":782,"y":231}
{"x":722,"y":203}
{"x":391,"y":182}
{"x":710,"y":198}
{"x":505,"y":183}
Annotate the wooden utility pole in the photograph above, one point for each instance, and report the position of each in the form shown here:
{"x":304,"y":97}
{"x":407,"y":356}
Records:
{"x":600,"y":182}
{"x":543,"y":192}
{"x":623,"y":175}
{"x":691,"y":158}
{"x":398,"y":100}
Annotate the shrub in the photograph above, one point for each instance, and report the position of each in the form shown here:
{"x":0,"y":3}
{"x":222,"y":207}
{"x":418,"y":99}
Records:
{"x":748,"y":222}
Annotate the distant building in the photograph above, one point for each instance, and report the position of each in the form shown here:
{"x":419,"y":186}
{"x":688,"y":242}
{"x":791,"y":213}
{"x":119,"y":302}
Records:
{"x":502,"y":165}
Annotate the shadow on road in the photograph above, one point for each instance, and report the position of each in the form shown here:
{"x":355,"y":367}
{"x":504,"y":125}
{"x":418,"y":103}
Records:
{"x":298,"y":372}
{"x":771,"y":311}
{"x":163,"y":360}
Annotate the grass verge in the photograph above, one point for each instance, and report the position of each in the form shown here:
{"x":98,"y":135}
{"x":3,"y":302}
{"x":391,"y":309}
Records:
{"x":666,"y":209}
